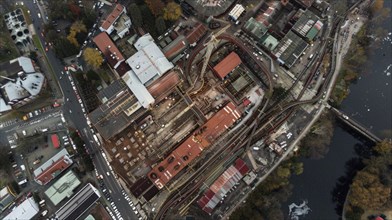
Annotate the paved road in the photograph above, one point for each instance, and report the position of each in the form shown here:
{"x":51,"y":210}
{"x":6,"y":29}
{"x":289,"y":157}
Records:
{"x":73,"y":113}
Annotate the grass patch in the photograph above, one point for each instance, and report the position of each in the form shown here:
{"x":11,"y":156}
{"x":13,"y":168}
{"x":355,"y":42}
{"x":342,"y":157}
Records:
{"x":26,"y":14}
{"x":37,"y":43}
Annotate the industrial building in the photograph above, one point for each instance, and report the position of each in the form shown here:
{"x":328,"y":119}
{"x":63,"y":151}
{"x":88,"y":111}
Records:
{"x":120,"y":107}
{"x":19,"y":83}
{"x":52,"y":167}
{"x":289,"y":49}
{"x":255,"y":28}
{"x":26,"y":210}
{"x":78,"y":204}
{"x":308,"y":25}
{"x":63,"y":188}
{"x":225,"y":182}
{"x":227,"y":65}
{"x":236,"y":12}
{"x":117,"y":21}
{"x":192,"y":147}
{"x":117,"y":112}
{"x":175,"y":47}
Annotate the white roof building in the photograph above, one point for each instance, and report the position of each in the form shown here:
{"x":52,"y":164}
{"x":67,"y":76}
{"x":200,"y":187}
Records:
{"x":147,"y":65}
{"x":138,"y":89}
{"x":26,"y":210}
{"x":236,"y":12}
{"x":149,"y":62}
{"x":19,"y":83}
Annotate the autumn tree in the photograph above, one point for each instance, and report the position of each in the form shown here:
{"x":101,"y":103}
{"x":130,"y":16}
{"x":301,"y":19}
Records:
{"x":172,"y":11}
{"x":136,"y":15}
{"x":156,"y":6}
{"x":93,"y":57}
{"x":76,"y":28}
{"x":367,"y":192}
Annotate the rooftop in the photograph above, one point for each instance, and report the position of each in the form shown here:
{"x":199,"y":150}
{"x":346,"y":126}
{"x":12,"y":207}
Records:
{"x":149,"y":62}
{"x":175,"y":47}
{"x":52,"y":167}
{"x":79,"y":203}
{"x":138,"y":89}
{"x":305,"y":24}
{"x":256,"y":28}
{"x":62,"y":188}
{"x":26,"y":210}
{"x":114,"y":115}
{"x":160,"y":88}
{"x":222,"y":185}
{"x":112,"y":17}
{"x":224,"y":67}
{"x":196,"y":33}
{"x":18,"y":81}
{"x":110,"y":51}
{"x":191,"y":148}
{"x":289,"y":49}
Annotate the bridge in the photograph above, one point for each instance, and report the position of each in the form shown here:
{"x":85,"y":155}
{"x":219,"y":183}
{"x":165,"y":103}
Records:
{"x":356,"y":126}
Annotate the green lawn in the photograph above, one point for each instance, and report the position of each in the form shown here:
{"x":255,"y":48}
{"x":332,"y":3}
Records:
{"x":37,"y":43}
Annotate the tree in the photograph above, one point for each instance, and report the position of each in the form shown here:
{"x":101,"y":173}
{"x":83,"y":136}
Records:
{"x":172,"y":11}
{"x":89,"y":17}
{"x":283,"y":172}
{"x":92,"y":75}
{"x":92,"y":57}
{"x":383,"y":148}
{"x":136,"y":15}
{"x":156,"y":6}
{"x":160,"y":25}
{"x":76,"y":28}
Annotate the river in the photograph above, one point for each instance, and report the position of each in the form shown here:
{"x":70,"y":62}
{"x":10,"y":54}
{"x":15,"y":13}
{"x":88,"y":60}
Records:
{"x":370,"y":104}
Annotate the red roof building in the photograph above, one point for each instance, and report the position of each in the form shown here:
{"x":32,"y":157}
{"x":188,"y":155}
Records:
{"x":228,"y":64}
{"x":192,"y":147}
{"x":52,"y":167}
{"x":196,"y":33}
{"x":55,"y":140}
{"x":161,"y":87}
{"x":225,"y":182}
{"x":112,"y":17}
{"x":111,"y":53}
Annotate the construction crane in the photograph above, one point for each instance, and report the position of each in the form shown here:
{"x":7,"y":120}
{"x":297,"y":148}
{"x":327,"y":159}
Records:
{"x":211,"y":44}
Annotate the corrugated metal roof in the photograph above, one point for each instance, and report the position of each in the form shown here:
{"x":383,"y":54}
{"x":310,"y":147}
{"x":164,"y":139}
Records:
{"x":138,"y":89}
{"x":194,"y":145}
{"x":225,"y":66}
{"x":222,"y":185}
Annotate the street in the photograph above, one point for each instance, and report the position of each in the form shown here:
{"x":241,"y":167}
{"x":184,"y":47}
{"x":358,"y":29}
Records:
{"x":73,"y":114}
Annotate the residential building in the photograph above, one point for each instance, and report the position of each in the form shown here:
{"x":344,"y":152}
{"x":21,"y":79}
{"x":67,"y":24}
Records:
{"x":52,"y":167}
{"x":110,"y":52}
{"x":19,"y":83}
{"x":117,"y":21}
